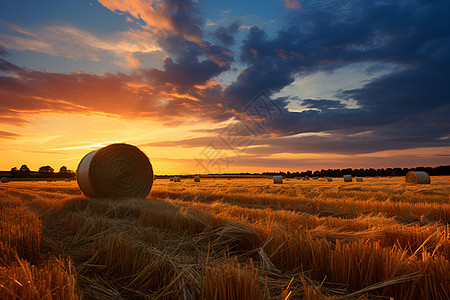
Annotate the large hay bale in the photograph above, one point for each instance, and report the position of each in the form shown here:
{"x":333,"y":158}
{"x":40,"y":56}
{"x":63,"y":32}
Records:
{"x":197,"y":178}
{"x":5,"y":180}
{"x":417,"y":177}
{"x":176,"y":179}
{"x":278,"y":179}
{"x":115,"y":171}
{"x":359,"y":179}
{"x":347,"y":178}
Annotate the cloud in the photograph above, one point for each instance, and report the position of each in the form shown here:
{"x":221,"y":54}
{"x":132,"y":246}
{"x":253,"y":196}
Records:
{"x":292,"y":4}
{"x":7,"y":67}
{"x":403,"y":104}
{"x":322,"y":104}
{"x":13,"y":120}
{"x":403,"y":109}
{"x":174,"y":24}
{"x":172,"y":27}
{"x":179,"y":92}
{"x":225,"y":34}
{"x":136,"y":95}
{"x":133,"y":62}
{"x":175,"y":16}
{"x":8,"y":135}
{"x":3,"y":52}
{"x":72,"y":42}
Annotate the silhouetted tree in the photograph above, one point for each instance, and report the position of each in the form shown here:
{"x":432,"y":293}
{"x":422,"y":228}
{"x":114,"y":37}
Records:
{"x":46,"y":169}
{"x":14,"y":171}
{"x":24,"y":169}
{"x":63,"y":169}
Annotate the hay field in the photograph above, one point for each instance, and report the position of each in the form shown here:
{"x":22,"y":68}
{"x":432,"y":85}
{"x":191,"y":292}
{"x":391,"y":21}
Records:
{"x":228,"y":239}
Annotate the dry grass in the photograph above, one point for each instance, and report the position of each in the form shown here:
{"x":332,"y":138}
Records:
{"x":228,"y":239}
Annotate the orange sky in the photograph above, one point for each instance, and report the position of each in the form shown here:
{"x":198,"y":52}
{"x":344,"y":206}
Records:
{"x":63,"y":139}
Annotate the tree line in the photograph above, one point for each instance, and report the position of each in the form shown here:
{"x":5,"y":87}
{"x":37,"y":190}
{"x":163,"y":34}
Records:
{"x":44,"y":169}
{"x":433,"y":171}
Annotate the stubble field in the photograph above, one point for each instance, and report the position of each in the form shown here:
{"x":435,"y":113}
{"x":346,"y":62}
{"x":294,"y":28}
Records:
{"x":228,"y":239}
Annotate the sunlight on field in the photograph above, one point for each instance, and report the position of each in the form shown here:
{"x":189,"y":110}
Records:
{"x":228,"y":239}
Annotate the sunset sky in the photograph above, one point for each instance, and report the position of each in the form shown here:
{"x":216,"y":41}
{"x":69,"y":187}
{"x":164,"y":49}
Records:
{"x":209,"y":86}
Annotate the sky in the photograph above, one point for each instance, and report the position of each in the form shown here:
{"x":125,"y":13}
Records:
{"x":208,"y":86}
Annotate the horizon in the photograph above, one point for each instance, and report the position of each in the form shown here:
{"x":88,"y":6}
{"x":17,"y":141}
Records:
{"x":288,"y":172}
{"x":213,"y":87}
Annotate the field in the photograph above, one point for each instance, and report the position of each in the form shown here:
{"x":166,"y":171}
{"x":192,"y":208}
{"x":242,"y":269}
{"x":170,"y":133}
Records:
{"x":228,"y":239}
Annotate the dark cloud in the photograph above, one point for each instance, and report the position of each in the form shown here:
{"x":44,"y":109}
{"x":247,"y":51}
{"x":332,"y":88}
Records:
{"x":3,"y":52}
{"x":191,"y":61}
{"x":7,"y":67}
{"x":186,"y":72}
{"x":225,"y":35}
{"x":401,"y":109}
{"x":322,"y":104}
{"x":184,"y":17}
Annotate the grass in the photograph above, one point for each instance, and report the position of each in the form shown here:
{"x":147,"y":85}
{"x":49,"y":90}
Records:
{"x":228,"y":239}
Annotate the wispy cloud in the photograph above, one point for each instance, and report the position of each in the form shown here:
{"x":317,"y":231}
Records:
{"x":8,"y":135}
{"x":72,"y":42}
{"x":292,"y":4}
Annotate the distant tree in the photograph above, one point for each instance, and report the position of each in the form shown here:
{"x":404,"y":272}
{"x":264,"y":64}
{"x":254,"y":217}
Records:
{"x":24,"y":169}
{"x":46,"y":169}
{"x":14,"y":171}
{"x":63,"y":169}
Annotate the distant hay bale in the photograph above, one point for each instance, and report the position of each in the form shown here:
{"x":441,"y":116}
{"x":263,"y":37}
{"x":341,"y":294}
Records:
{"x":315,"y":178}
{"x":115,"y":171}
{"x":417,"y":177}
{"x":329,"y":179}
{"x":5,"y":180}
{"x":359,"y":179}
{"x":347,"y":178}
{"x":171,"y":179}
{"x":176,"y":179}
{"x":197,"y":178}
{"x":306,"y":178}
{"x":278,"y":179}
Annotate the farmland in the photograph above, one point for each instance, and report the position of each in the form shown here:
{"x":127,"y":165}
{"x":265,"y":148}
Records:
{"x":228,"y":239}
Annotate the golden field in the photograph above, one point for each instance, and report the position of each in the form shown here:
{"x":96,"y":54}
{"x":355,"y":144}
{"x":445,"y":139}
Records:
{"x":228,"y":239}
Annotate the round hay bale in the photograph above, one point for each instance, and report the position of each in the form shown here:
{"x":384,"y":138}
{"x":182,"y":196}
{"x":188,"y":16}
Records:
{"x":5,"y":180}
{"x":359,"y":179}
{"x":171,"y":179}
{"x":197,"y":178}
{"x":278,"y":179}
{"x":329,"y":179}
{"x":176,"y":179}
{"x":417,"y":177}
{"x":115,"y":171}
{"x":347,"y":178}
